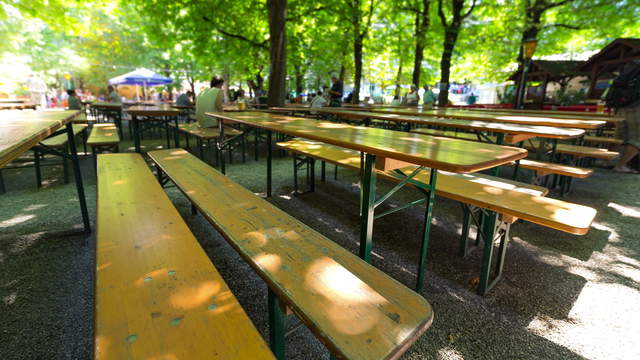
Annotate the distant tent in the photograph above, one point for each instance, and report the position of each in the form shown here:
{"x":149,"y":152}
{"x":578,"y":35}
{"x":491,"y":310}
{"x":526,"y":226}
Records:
{"x":141,"y":77}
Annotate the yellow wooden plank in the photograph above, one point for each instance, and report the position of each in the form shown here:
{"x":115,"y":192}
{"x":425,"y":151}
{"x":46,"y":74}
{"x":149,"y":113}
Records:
{"x":206,"y":133}
{"x":435,"y":152}
{"x":524,"y":119}
{"x":544,"y":168}
{"x":20,"y":131}
{"x":157,"y":294}
{"x":153,"y":110}
{"x":603,"y":140}
{"x":103,"y":134}
{"x":500,"y":195}
{"x":578,"y":151}
{"x":464,"y":123}
{"x":356,"y":310}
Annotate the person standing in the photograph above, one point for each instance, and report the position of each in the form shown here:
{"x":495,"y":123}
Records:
{"x":210,"y":100}
{"x":113,"y":95}
{"x":412,"y":98}
{"x":37,"y":90}
{"x":429,"y":97}
{"x":336,"y":91}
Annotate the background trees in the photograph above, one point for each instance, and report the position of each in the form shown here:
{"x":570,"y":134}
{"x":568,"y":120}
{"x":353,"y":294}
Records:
{"x":294,"y":45}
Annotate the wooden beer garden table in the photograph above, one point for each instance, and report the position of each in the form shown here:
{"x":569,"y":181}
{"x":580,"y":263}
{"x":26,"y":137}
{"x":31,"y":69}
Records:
{"x":17,"y":106}
{"x":497,"y":117}
{"x":21,"y":131}
{"x":383,"y":150}
{"x":549,"y":113}
{"x":163,"y":113}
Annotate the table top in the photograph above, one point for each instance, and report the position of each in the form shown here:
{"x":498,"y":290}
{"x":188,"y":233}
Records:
{"x":17,"y":106}
{"x":20,"y":131}
{"x":550,"y":113}
{"x":155,"y":110}
{"x":447,"y":154}
{"x":498,"y":117}
{"x":12,"y":101}
{"x":104,"y":104}
{"x":548,"y":132}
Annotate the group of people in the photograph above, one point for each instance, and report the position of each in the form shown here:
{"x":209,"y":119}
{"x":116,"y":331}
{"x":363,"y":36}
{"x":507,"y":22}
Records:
{"x":412,"y":98}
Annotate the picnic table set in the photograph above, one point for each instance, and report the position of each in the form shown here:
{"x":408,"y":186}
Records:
{"x":149,"y":262}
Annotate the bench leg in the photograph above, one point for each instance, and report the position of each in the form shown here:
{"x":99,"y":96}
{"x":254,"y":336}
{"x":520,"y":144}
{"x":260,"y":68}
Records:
{"x":295,"y":174}
{"x":466,"y":224}
{"x":78,"y":178}
{"x":323,"y":167}
{"x":276,"y":325}
{"x":65,"y":165}
{"x":311,"y":165}
{"x":269,"y":156}
{"x":256,"y":138}
{"x":168,"y":135}
{"x":2,"y":188}
{"x":335,"y":173}
{"x":36,"y":162}
{"x":176,"y":135}
{"x":244,"y":148}
{"x":490,"y":227}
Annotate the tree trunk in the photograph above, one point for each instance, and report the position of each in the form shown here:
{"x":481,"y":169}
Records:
{"x":277,"y":51}
{"x":451,"y":35}
{"x":421,"y":27}
{"x":225,"y":86}
{"x":398,"y":78}
{"x":357,"y":77}
{"x":299,"y":79}
{"x":343,"y":71}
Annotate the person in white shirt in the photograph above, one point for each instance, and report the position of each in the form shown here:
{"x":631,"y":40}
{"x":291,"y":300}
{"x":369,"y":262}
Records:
{"x":37,"y":90}
{"x":412,"y":98}
{"x":319,"y":101}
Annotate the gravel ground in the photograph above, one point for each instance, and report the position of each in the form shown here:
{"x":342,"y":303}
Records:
{"x":561,"y":297}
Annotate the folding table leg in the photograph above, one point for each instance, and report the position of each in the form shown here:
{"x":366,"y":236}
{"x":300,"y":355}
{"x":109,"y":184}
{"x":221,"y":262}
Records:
{"x":78,"y":178}
{"x":424,"y":248}
{"x":276,"y":325}
{"x":367,"y":206}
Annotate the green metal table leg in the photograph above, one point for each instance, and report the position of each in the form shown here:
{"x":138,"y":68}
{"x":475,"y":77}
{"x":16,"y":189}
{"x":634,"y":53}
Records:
{"x":269,"y":156}
{"x":488,"y":231}
{"x":464,"y":237}
{"x":367,"y":206}
{"x":424,"y":248}
{"x":276,"y":326}
{"x":136,"y":133}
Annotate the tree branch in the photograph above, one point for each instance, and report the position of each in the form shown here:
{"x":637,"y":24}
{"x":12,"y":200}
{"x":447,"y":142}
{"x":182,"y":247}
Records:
{"x":473,"y":5}
{"x":559,"y":3}
{"x":566,"y":26}
{"x":262,"y":45}
{"x":443,"y":19}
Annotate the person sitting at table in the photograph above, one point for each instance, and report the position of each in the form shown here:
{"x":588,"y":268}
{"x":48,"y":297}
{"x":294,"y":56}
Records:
{"x":73,"y":101}
{"x":185,"y":99}
{"x":113,"y":95}
{"x":430,"y":97}
{"x":396,"y":101}
{"x":412,"y":97}
{"x":336,"y":92}
{"x":210,"y":100}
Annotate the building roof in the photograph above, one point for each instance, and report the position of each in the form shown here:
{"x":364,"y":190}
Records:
{"x":614,"y":56}
{"x":554,"y":69}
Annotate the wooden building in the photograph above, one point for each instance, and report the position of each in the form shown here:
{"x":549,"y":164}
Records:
{"x":607,"y":63}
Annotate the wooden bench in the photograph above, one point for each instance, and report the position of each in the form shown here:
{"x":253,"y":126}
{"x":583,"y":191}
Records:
{"x":577,"y":151}
{"x":206,"y":135}
{"x":512,"y":200}
{"x":603,"y":140}
{"x":103,"y":137}
{"x":356,"y":310}
{"x":157,"y":295}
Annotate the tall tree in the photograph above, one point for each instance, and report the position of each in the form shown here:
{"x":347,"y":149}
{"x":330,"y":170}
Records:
{"x":420,"y":10}
{"x":451,"y":32}
{"x":277,"y":51}
{"x":360,"y":22}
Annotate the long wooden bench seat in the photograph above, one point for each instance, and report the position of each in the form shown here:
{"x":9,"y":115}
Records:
{"x":577,"y":151}
{"x":545,"y":168}
{"x":194,"y":129}
{"x":356,"y":310}
{"x":157,"y":295}
{"x":103,"y":137}
{"x":502,"y":196}
{"x":605,"y":140}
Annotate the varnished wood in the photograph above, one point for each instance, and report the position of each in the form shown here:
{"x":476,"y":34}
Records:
{"x":544,"y":168}
{"x":558,"y":114}
{"x":499,"y":195}
{"x":20,"y":131}
{"x":103,"y":134}
{"x":356,"y":310}
{"x":106,"y":105}
{"x":435,"y":152}
{"x":18,"y":106}
{"x":475,"y":125}
{"x":495,"y":117}
{"x":603,"y":140}
{"x":157,"y":294}
{"x":153,"y":111}
{"x":578,"y":151}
